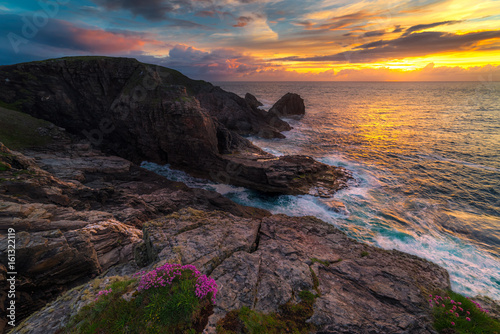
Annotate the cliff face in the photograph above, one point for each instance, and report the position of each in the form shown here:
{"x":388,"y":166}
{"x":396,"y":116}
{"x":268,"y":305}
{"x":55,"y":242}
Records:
{"x":134,"y":110}
{"x":146,"y":112}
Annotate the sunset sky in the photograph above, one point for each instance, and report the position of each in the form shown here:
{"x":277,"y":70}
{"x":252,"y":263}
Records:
{"x":266,"y":40}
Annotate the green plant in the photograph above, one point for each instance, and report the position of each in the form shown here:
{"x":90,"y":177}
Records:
{"x":291,"y":318}
{"x":315,"y":280}
{"x":170,"y":299}
{"x":4,"y":167}
{"x":364,"y":253}
{"x":454,"y":313}
{"x":323,"y":262}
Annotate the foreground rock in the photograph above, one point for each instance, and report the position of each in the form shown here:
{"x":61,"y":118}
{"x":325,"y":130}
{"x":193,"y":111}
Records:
{"x":79,"y":216}
{"x":290,"y":105}
{"x":144,"y":112}
{"x":264,"y":263}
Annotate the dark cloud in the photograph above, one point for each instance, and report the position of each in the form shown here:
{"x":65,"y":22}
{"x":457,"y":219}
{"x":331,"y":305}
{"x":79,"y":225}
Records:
{"x":344,"y":21}
{"x":243,"y":21}
{"x":397,"y":29}
{"x":306,"y":24}
{"x":186,"y":24}
{"x":413,"y":45}
{"x":420,"y":27}
{"x":375,"y":33}
{"x":154,"y":10}
{"x":206,"y":13}
{"x":58,"y":38}
{"x":218,"y":64}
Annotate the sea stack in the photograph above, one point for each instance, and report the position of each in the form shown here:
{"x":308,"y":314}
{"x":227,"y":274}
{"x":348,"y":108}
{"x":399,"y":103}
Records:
{"x":290,"y":105}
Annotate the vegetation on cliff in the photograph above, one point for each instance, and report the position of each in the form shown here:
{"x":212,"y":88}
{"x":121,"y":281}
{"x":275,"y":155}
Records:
{"x":169,"y":299}
{"x":454,"y":313}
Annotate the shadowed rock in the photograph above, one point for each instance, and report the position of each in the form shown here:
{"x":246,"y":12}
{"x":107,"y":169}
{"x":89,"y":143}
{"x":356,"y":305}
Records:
{"x":252,"y":101}
{"x":290,"y":105}
{"x":145,"y":112}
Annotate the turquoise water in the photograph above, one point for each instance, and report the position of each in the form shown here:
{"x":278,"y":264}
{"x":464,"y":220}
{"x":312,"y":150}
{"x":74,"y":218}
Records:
{"x":426,"y":163}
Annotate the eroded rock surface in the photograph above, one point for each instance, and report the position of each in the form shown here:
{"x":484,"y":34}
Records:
{"x":81,"y":218}
{"x":263,"y":263}
{"x":266,"y":263}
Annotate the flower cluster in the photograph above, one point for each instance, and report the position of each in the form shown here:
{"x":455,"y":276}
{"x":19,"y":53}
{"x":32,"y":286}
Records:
{"x":455,"y":308}
{"x":103,"y":292}
{"x":167,"y":273}
{"x":479,"y":307}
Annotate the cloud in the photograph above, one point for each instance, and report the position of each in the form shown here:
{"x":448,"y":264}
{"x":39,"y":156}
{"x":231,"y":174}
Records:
{"x":343,"y":21}
{"x":420,"y":27}
{"x":60,"y":37}
{"x":430,"y":72}
{"x":374,"y":33}
{"x":243,"y":21}
{"x":206,"y":13}
{"x":153,"y":10}
{"x":413,"y":45}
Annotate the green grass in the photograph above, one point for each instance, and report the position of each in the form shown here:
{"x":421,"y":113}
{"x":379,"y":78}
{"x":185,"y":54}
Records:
{"x":323,"y":262}
{"x":291,"y":318}
{"x":315,"y":280}
{"x":480,"y":322}
{"x":171,"y":309}
{"x":4,"y":167}
{"x":19,"y":130}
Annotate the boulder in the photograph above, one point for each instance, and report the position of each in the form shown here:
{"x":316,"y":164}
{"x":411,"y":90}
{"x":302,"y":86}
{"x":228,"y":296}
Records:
{"x":289,"y":105}
{"x":252,"y":101}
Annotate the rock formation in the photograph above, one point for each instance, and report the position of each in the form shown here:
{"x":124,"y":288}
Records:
{"x":146,"y":112}
{"x":290,"y":105}
{"x":252,"y":101}
{"x":80,"y":215}
{"x":263,"y":263}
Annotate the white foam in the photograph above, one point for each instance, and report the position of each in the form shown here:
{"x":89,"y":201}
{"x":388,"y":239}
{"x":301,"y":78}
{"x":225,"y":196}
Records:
{"x":472,"y":271}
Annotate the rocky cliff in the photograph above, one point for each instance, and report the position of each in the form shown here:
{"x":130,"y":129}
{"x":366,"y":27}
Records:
{"x":82,"y":216}
{"x":145,"y":112}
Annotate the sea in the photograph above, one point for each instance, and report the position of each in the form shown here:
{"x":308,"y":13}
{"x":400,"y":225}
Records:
{"x":425,"y":157}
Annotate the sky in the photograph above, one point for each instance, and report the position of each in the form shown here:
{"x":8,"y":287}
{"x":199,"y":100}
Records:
{"x":267,"y":40}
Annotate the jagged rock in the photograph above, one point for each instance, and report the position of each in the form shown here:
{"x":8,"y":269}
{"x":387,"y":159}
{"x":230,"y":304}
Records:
{"x":284,"y":175}
{"x":264,"y":263}
{"x":145,"y":112}
{"x":63,"y":243}
{"x":383,"y":292}
{"x":200,"y":238}
{"x":252,"y":101}
{"x":289,"y":105}
{"x":237,"y":115}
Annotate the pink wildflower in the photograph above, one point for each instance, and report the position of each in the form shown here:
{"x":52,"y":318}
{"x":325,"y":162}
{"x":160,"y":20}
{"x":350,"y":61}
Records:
{"x":468,"y":319}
